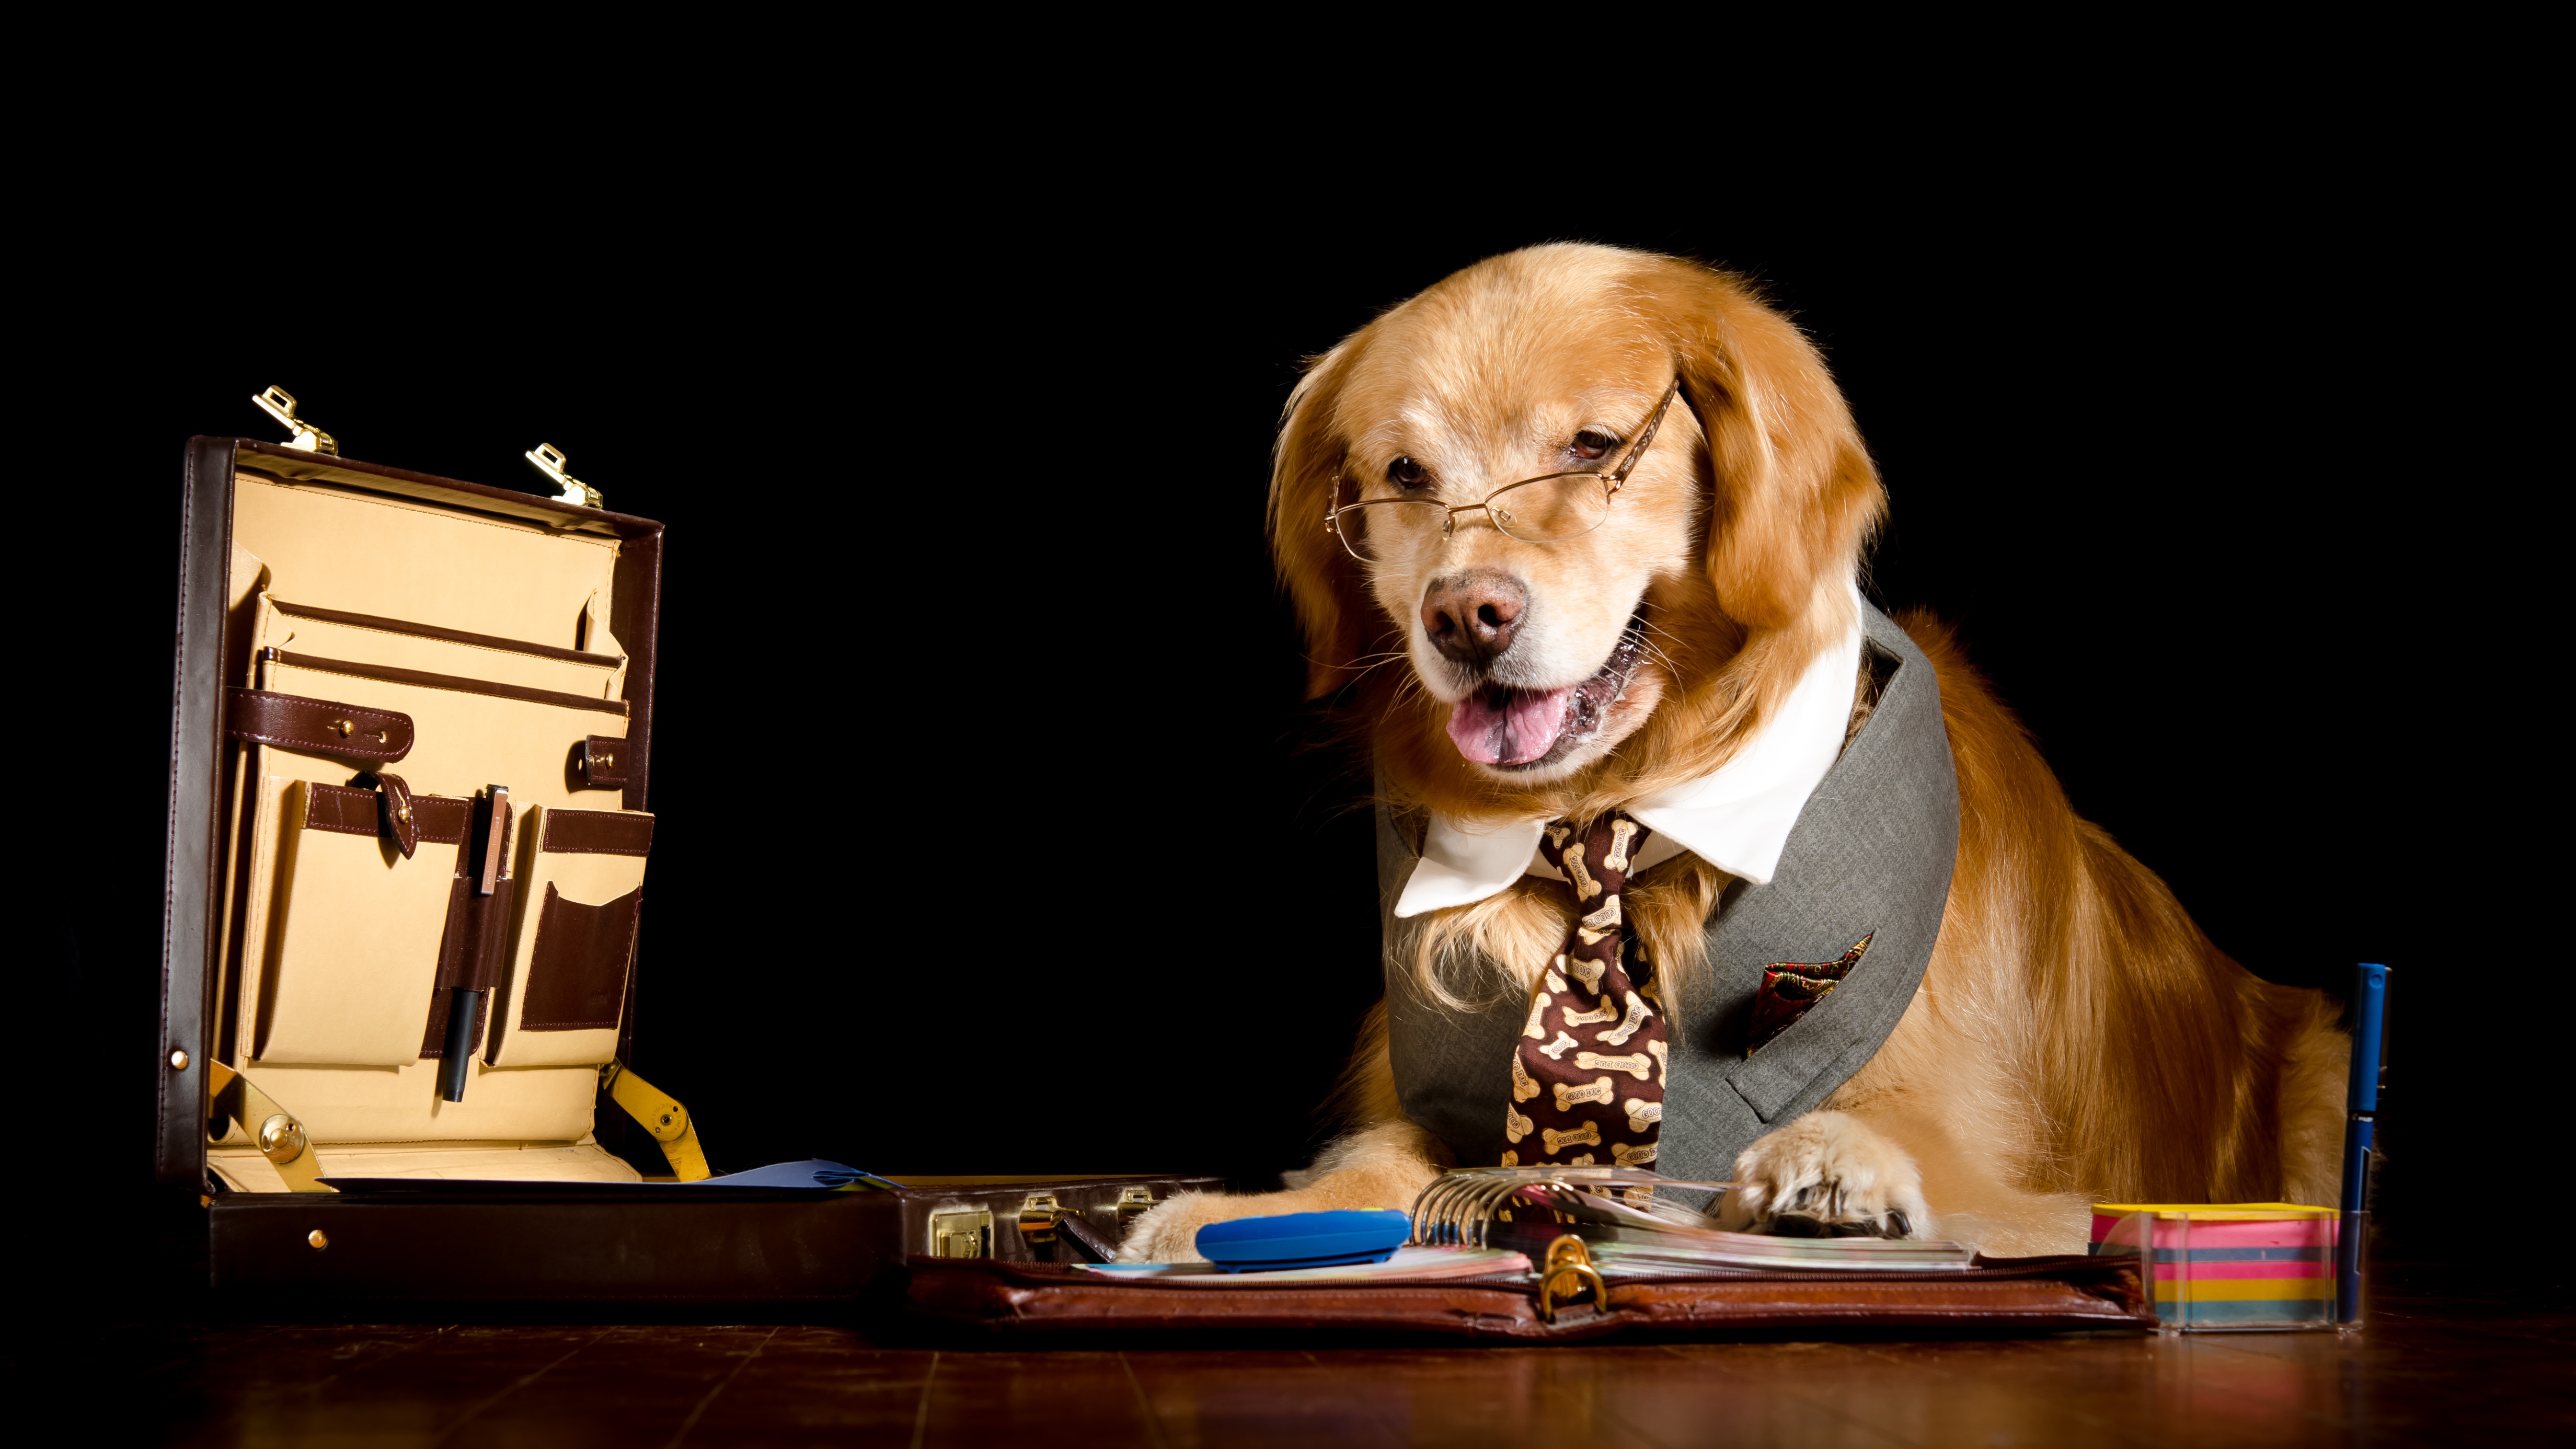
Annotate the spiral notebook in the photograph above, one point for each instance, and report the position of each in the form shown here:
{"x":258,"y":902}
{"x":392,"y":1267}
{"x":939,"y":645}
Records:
{"x":1633,"y":1226}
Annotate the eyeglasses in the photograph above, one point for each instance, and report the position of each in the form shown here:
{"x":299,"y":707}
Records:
{"x":1549,"y":509}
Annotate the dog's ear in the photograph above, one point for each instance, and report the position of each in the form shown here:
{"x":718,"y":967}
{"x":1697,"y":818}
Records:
{"x":1796,"y":495}
{"x":1323,"y":582}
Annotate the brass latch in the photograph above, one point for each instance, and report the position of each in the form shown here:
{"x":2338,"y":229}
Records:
{"x":1039,"y":1216}
{"x":548,"y":459}
{"x":1568,"y":1274}
{"x":1133,"y":1203}
{"x":961,"y":1233}
{"x":278,"y":403}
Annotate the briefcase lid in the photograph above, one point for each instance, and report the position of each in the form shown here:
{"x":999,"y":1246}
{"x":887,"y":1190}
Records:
{"x":209,"y":666}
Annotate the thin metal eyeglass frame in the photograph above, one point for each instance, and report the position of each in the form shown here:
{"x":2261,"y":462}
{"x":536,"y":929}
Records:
{"x":1613,"y":480}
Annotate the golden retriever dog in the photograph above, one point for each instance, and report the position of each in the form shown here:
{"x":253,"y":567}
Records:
{"x":2075,"y":1037}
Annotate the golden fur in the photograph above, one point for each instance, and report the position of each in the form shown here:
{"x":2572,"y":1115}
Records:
{"x":2076,"y":1037}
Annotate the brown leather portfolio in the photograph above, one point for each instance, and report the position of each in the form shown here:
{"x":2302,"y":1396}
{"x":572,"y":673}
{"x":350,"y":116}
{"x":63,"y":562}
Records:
{"x":1998,"y":1296}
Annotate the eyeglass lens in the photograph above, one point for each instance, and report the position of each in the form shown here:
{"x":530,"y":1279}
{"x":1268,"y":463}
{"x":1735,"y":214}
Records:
{"x":1542,"y":510}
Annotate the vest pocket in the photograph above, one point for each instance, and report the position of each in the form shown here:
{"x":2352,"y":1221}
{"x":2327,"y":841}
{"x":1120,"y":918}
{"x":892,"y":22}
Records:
{"x":581,"y":894}
{"x":354,"y":928}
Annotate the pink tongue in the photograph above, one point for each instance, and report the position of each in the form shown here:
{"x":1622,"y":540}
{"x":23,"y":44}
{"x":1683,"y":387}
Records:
{"x":1523,"y":729}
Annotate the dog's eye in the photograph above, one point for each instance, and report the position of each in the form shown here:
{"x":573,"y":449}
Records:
{"x":1406,"y":473}
{"x":1592,"y":443}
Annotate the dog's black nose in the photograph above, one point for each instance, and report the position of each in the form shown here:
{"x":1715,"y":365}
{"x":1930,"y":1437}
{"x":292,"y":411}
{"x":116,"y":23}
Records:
{"x":1472,"y":617}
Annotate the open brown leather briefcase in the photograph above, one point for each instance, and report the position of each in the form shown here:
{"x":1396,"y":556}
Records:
{"x":409,"y":841}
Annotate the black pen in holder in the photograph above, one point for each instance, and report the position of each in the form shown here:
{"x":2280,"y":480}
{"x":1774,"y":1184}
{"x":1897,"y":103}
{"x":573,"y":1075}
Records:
{"x":464,"y":1013}
{"x":487,"y":916}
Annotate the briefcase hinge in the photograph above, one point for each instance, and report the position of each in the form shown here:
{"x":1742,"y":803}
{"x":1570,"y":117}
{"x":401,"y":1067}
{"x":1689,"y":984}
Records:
{"x":660,"y":1115}
{"x":278,"y":403}
{"x":548,"y":459}
{"x":280,"y":1137}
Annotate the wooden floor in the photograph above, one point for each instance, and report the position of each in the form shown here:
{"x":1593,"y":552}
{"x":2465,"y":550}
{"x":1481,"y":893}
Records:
{"x":2437,"y":1365}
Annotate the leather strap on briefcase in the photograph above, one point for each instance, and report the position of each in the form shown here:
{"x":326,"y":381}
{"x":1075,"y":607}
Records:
{"x":599,"y":763}
{"x":317,"y":726}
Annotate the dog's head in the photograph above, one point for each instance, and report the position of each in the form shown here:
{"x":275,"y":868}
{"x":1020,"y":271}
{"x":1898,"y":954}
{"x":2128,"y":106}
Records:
{"x":1533,"y":622}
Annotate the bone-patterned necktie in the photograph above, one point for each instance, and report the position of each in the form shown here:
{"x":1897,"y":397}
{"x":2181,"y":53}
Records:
{"x":1588,"y":1070}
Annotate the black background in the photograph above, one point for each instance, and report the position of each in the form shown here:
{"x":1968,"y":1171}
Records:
{"x":989,"y":840}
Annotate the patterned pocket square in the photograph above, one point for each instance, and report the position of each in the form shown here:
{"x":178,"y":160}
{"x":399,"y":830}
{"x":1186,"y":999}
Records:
{"x":1790,"y":989}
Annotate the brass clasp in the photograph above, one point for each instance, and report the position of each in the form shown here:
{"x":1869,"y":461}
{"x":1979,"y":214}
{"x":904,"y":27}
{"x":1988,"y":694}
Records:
{"x":1569,"y":1272}
{"x":278,"y":403}
{"x":548,"y":459}
{"x":1039,"y":1216}
{"x":961,"y":1233}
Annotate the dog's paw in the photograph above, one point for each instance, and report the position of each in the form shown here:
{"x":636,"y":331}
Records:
{"x":1827,"y":1175}
{"x":1169,"y":1231}
{"x":1385,"y":1166}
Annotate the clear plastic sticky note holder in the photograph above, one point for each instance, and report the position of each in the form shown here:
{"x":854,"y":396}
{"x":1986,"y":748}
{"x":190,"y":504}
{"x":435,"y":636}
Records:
{"x":2228,"y":1267}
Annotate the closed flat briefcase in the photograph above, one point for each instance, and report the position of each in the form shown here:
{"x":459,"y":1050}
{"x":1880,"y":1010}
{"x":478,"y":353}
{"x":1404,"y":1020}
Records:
{"x":410,"y":843}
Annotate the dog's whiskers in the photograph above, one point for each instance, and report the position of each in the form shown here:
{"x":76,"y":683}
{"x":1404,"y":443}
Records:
{"x":1374,"y":663}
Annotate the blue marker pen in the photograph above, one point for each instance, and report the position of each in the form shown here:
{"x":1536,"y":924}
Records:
{"x":2361,"y":1104}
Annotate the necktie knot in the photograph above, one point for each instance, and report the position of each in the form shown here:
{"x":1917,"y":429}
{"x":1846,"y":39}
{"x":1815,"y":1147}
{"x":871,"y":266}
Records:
{"x":1594,"y":856}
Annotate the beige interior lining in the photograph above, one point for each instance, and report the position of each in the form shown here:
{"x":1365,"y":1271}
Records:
{"x":356,"y":553}
{"x":463,"y":742}
{"x":268,"y":807}
{"x":364,"y":554}
{"x":244,"y":1170}
{"x":601,"y":678}
{"x":344,"y":1105}
{"x":353,"y":946}
{"x":391,"y":1103}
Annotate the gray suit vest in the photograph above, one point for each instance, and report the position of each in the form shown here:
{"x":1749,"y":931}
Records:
{"x":1870,"y":855}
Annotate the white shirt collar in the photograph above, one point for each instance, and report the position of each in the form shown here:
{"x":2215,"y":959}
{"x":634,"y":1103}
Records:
{"x":1736,"y":818}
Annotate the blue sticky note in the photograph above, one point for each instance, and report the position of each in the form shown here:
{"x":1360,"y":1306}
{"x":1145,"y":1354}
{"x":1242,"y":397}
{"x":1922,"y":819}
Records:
{"x":811,"y":1173}
{"x":1304,"y":1240}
